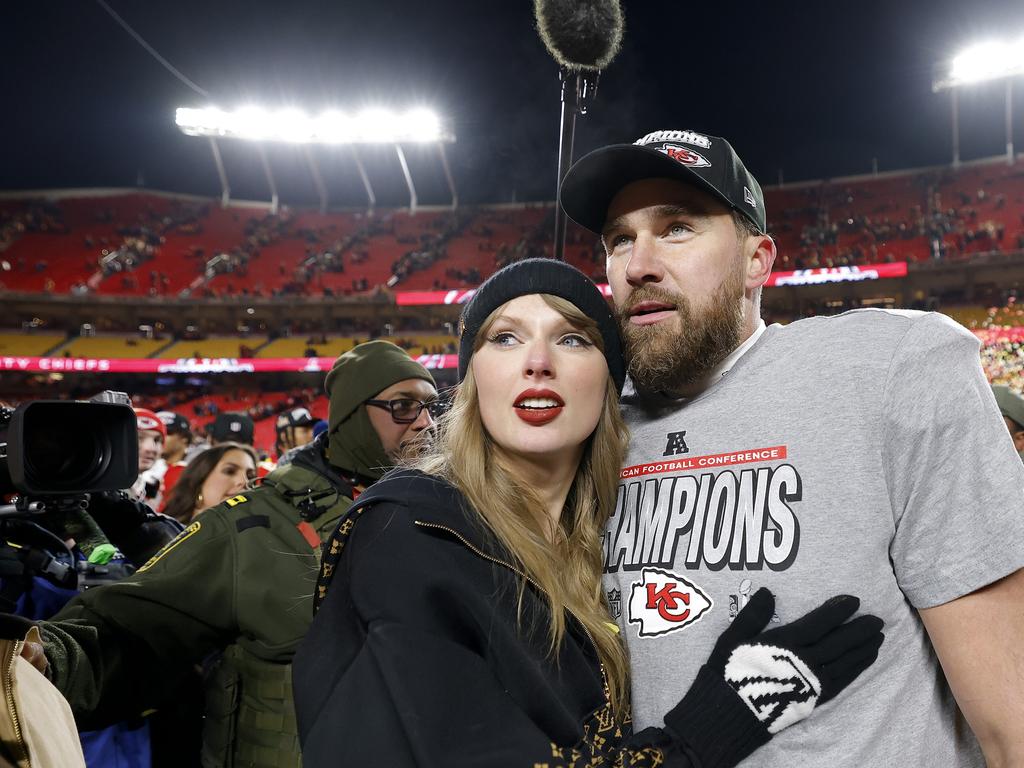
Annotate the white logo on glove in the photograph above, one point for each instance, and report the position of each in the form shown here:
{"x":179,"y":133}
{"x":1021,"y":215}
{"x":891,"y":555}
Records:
{"x":775,"y":683}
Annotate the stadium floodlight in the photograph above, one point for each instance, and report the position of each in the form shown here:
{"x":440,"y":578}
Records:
{"x":992,"y":60}
{"x":369,"y":126}
{"x":983,"y":62}
{"x":373,"y":125}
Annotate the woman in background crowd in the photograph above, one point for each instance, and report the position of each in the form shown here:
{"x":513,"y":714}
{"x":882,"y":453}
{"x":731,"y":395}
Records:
{"x":213,"y":476}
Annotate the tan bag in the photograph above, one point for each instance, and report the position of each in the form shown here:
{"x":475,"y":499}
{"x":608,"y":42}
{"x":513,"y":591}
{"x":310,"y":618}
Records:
{"x":37,"y":729}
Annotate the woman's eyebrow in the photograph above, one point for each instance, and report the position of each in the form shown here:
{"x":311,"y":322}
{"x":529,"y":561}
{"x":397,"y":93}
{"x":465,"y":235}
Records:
{"x":510,"y":319}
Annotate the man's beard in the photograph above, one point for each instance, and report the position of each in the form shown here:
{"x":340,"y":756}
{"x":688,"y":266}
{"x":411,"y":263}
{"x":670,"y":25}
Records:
{"x":662,"y":358}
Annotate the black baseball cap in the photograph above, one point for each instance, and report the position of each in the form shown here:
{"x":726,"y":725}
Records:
{"x":706,"y":162}
{"x":237,"y":427}
{"x":176,"y":423}
{"x":296,"y":417}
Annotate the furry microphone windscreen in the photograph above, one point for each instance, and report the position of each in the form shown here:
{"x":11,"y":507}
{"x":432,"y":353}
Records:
{"x":580,"y":34}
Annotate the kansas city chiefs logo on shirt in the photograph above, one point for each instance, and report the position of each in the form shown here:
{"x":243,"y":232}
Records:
{"x":684,"y":156}
{"x":664,"y":602}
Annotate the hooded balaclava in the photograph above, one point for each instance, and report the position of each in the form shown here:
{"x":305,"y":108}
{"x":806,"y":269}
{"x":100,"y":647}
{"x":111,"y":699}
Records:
{"x":357,"y":376}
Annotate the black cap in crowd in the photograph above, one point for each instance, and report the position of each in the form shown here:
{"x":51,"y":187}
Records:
{"x":296,"y":417}
{"x":550,"y":276}
{"x":237,"y":427}
{"x":176,"y":423}
{"x":706,"y":162}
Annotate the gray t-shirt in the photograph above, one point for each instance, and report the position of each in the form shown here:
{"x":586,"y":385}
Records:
{"x":861,"y":454}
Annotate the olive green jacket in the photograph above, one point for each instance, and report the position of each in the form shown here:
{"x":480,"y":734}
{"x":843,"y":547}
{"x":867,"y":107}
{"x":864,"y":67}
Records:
{"x":234,"y":589}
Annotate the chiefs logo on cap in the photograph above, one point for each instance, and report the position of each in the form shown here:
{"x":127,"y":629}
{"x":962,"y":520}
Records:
{"x":684,"y":155}
{"x":147,"y":421}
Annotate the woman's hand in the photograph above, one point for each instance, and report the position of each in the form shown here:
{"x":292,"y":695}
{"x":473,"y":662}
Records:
{"x":782,"y":674}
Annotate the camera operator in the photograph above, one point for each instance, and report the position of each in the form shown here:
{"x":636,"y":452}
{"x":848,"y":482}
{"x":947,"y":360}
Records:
{"x":63,"y":536}
{"x":237,"y":582}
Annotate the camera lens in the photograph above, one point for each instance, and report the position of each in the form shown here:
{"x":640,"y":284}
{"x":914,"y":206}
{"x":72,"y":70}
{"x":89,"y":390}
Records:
{"x":66,"y":445}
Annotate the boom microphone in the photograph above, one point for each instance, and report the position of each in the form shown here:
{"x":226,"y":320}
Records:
{"x":581,"y":35}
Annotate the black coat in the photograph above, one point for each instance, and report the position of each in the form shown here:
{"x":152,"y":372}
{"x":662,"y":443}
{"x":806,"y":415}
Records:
{"x":417,"y":657}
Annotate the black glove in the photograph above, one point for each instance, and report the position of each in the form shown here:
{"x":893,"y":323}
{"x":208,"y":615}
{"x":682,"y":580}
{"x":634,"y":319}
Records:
{"x":756,"y":683}
{"x":131,"y":525}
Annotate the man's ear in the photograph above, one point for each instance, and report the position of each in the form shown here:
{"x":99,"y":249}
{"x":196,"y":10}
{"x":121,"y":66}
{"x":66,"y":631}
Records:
{"x":760,"y":255}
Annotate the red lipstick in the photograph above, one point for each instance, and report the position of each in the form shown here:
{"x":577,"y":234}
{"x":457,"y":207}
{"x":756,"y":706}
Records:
{"x":538,"y":413}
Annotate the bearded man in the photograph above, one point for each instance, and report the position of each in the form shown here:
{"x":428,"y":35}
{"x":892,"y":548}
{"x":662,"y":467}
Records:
{"x":862,"y":453}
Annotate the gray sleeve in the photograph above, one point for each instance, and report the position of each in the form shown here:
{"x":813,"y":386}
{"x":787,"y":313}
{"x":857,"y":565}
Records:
{"x":956,"y":484}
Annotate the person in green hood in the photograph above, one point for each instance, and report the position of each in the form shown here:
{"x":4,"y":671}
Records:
{"x":232,"y":591}
{"x":1011,"y":405}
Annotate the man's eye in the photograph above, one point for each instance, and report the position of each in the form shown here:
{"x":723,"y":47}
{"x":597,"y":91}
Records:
{"x":620,"y":240}
{"x":678,"y":229}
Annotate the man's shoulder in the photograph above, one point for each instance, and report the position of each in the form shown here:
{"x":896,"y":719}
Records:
{"x":876,"y":321}
{"x":264,"y":503}
{"x":869,"y":335}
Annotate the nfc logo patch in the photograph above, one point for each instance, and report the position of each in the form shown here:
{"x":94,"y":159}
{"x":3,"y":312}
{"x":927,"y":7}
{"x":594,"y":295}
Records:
{"x":664,"y":602}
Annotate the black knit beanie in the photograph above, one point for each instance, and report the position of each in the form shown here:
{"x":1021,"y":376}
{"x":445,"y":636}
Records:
{"x":550,"y":276}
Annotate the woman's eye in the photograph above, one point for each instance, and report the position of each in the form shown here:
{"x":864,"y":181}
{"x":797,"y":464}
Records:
{"x":502,"y":339}
{"x":576,"y":340}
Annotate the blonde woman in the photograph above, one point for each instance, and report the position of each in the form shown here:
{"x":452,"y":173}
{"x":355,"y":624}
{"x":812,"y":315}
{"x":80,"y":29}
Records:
{"x":460,"y":612}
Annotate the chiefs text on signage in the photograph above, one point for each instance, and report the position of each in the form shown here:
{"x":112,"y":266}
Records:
{"x":743,"y":521}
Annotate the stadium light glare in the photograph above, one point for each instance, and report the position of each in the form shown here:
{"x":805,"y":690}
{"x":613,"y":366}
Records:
{"x":369,"y":126}
{"x":990,"y":60}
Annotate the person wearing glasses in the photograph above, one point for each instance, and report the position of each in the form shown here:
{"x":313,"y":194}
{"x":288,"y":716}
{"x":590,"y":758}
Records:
{"x":232,"y":591}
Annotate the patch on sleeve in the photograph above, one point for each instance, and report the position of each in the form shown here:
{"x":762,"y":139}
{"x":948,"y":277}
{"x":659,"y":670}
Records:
{"x":191,"y":530}
{"x":234,"y":501}
{"x":252,"y":521}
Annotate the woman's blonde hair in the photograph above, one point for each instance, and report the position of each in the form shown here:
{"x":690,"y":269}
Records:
{"x":568,"y":570}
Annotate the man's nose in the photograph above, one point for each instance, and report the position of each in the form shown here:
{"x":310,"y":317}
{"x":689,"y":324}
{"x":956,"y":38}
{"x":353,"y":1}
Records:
{"x":423,"y":421}
{"x":644,"y":265}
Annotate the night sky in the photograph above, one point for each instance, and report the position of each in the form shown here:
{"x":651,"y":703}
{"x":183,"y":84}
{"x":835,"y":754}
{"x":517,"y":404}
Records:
{"x":816,"y":89}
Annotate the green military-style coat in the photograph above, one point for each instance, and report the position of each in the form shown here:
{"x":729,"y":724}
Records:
{"x":234,"y":590}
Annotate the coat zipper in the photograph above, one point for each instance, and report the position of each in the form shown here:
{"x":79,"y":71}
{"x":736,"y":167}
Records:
{"x":11,"y":708}
{"x":479,"y":552}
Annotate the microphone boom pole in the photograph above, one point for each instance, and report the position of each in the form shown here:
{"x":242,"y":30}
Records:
{"x":571,"y":86}
{"x":583,"y":36}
